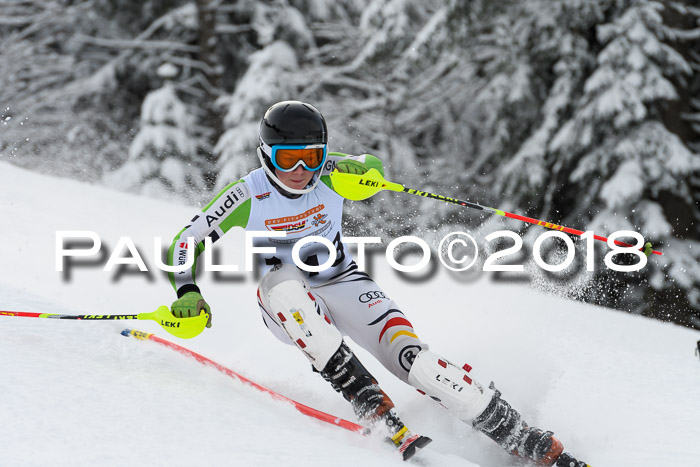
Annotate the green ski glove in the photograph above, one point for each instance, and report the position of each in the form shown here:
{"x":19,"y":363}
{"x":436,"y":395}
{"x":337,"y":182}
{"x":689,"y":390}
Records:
{"x":351,"y":166}
{"x":647,"y":249}
{"x":190,"y":305}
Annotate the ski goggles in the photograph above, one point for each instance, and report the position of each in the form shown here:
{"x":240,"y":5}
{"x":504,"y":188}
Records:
{"x":287,"y":157}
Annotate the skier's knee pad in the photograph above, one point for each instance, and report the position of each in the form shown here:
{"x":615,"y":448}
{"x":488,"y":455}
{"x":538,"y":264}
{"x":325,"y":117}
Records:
{"x":449,"y":385}
{"x":285,"y":293}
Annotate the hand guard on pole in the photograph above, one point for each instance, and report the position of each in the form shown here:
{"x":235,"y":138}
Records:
{"x":190,"y":305}
{"x":352,"y":166}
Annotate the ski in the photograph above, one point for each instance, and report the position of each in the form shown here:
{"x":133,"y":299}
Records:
{"x":409,"y":447}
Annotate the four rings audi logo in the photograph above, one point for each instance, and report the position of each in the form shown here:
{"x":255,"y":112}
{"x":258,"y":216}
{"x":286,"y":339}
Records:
{"x":369,"y":296}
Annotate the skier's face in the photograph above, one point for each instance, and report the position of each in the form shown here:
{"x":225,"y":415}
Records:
{"x":296,"y":179}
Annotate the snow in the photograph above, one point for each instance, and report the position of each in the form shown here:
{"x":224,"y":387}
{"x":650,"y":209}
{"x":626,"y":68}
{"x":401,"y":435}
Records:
{"x":680,"y":264}
{"x":654,"y":223}
{"x":626,"y":185}
{"x":425,"y":35}
{"x":151,"y":168}
{"x":163,"y":109}
{"x":265,"y":81}
{"x":564,"y":137}
{"x":617,"y":389}
{"x":237,"y":159}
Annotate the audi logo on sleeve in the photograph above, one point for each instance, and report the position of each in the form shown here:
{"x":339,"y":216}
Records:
{"x":369,"y":296}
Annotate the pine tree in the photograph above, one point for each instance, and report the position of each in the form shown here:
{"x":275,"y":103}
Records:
{"x":580,"y":112}
{"x":265,"y":82}
{"x":567,"y":124}
{"x":52,"y":124}
{"x":627,"y":169}
{"x":291,"y":62}
{"x":163,"y":159}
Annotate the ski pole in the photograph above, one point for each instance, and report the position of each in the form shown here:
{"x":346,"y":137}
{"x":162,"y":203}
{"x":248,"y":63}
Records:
{"x":183,"y":328}
{"x":358,"y":187}
{"x":306,"y":410}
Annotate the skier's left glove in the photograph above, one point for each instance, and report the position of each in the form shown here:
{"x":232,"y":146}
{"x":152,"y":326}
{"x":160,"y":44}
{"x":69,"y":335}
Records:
{"x":190,"y":305}
{"x":352,"y":166}
{"x":647,"y":249}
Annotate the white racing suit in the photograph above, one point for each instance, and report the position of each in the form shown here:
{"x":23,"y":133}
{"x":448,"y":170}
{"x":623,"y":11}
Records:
{"x":314,"y":310}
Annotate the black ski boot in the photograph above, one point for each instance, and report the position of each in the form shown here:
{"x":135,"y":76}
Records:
{"x":503,"y":424}
{"x":371,"y":405}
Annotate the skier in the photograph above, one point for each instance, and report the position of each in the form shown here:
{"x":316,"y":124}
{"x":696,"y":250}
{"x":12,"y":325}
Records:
{"x":293,"y":193}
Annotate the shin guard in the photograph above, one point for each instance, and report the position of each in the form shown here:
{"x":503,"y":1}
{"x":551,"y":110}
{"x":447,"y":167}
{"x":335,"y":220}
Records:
{"x":285,"y":294}
{"x":449,"y":385}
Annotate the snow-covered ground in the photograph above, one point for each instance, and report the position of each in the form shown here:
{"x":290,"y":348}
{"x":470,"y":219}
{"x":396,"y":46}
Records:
{"x":618,"y":390}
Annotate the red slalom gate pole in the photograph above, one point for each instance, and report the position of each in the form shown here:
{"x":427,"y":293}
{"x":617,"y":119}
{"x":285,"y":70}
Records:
{"x":305,"y":409}
{"x":529,"y":220}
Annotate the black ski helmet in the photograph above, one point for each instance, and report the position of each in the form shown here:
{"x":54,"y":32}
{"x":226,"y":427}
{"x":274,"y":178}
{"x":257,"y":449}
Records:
{"x":291,"y":122}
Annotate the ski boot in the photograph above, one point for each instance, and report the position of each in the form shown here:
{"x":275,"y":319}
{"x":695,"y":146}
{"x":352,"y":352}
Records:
{"x":503,"y":424}
{"x":349,"y":377}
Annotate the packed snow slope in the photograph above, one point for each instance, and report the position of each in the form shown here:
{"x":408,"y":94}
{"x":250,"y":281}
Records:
{"x":618,"y":390}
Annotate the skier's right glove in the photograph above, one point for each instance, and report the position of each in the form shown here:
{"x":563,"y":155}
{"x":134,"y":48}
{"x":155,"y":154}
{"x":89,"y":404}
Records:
{"x":190,"y":305}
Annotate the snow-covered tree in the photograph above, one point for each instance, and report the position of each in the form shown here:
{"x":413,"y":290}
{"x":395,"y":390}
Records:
{"x":580,"y":112}
{"x":266,"y":81}
{"x":163,"y":158}
{"x":52,"y":127}
{"x":611,"y":163}
{"x":290,"y":64}
{"x":530,"y":176}
{"x":362,"y":91}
